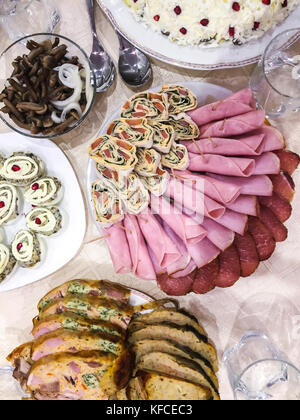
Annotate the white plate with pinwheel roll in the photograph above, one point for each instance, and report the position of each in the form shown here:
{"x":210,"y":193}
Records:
{"x":41,"y":211}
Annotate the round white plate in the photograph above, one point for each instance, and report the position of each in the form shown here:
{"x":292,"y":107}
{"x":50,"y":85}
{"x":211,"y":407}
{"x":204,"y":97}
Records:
{"x":194,"y":57}
{"x":204,"y":92}
{"x":63,"y":246}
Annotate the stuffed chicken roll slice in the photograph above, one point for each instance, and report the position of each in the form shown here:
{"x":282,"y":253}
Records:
{"x":21,"y":169}
{"x":26,"y":249}
{"x":180,"y":99}
{"x":107,"y":204}
{"x":184,"y":126}
{"x":157,"y":184}
{"x":44,"y":221}
{"x":137,"y":131}
{"x":114,"y":153}
{"x":8,"y":202}
{"x":146,"y":105}
{"x":7,"y":262}
{"x":148,"y":161}
{"x":177,"y":158}
{"x":164,"y":136}
{"x":44,"y":192}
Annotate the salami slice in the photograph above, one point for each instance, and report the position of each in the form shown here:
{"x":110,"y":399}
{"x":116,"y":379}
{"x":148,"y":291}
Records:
{"x":278,"y":230}
{"x":230,"y":268}
{"x":264,"y":241}
{"x":280,"y":207}
{"x":248,"y":254}
{"x":176,"y":286}
{"x":206,"y":278}
{"x":283,"y":185}
{"x":289,"y":161}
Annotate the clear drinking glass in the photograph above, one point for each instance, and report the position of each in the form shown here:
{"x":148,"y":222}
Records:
{"x":258,"y":371}
{"x":20,"y":18}
{"x":275,"y":81}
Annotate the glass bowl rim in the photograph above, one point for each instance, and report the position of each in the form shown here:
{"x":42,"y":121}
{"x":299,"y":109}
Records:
{"x":92,"y":72}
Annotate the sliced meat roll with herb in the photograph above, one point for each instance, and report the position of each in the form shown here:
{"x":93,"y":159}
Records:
{"x":184,"y":126}
{"x":44,"y":221}
{"x":21,"y":169}
{"x":26,"y":249}
{"x":107,"y":204}
{"x":177,"y":158}
{"x":94,"y":288}
{"x":136,"y":131}
{"x":114,"y":153}
{"x":146,"y":105}
{"x":157,"y":184}
{"x":8,"y":202}
{"x":44,"y":192}
{"x":7,"y":262}
{"x":148,"y":162}
{"x":180,"y":99}
{"x":164,"y":136}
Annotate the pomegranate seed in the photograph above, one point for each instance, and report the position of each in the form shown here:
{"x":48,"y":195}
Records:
{"x":256,"y":25}
{"x":35,"y":186}
{"x":38,"y":221}
{"x":183,"y":31}
{"x":204,"y":22}
{"x":2,"y":204}
{"x":16,"y":168}
{"x":231,"y":31}
{"x":177,"y":10}
{"x":285,"y":3}
{"x":19,"y":246}
{"x":236,"y":6}
{"x":156,"y":18}
{"x":266,"y":2}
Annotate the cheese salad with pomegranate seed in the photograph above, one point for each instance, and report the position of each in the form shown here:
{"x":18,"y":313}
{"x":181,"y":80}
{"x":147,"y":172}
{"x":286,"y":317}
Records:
{"x":211,"y":22}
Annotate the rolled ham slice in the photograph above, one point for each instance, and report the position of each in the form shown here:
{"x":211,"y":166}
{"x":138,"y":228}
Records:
{"x":267,"y":164}
{"x":158,"y":269}
{"x":272,"y":138}
{"x":162,"y":246}
{"x":204,"y":252}
{"x":142,"y":264}
{"x":246,"y":204}
{"x":219,"y":235}
{"x":239,"y":103}
{"x":234,"y":126}
{"x":118,"y":248}
{"x":217,"y":190}
{"x":234,"y":221}
{"x":189,"y":231}
{"x":254,"y":185}
{"x":222,"y":165}
{"x":187,"y":198}
{"x":249,"y":146}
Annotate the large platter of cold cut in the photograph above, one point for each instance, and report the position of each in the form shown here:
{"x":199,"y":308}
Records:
{"x":191,"y":186}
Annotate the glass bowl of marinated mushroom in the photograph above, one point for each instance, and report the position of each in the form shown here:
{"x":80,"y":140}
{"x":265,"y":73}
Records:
{"x":47,"y":85}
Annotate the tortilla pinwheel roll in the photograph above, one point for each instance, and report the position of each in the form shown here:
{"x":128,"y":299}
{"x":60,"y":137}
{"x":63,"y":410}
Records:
{"x":180,"y":99}
{"x":177,"y":158}
{"x":138,"y":196}
{"x":137,"y":131}
{"x":146,"y":105}
{"x":107,"y":205}
{"x":21,"y":169}
{"x":114,"y":153}
{"x":164,"y":136}
{"x":8,"y":202}
{"x":44,"y":221}
{"x":46,"y":191}
{"x":26,"y":249}
{"x":157,"y":184}
{"x":184,"y":126}
{"x":7,"y":262}
{"x":148,"y":161}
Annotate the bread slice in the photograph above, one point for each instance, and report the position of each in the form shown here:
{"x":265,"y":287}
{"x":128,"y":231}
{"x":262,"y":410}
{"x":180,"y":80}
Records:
{"x":143,"y":347}
{"x":161,"y":387}
{"x":176,"y":367}
{"x":89,"y":287}
{"x":21,"y":360}
{"x":90,"y":307}
{"x":172,"y":316}
{"x":71,"y":321}
{"x":75,"y":341}
{"x":179,"y":335}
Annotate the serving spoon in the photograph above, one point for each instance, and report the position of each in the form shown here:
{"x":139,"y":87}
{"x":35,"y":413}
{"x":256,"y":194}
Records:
{"x":134,"y":67}
{"x":103,"y":65}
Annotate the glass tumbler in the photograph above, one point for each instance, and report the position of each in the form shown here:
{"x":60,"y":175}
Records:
{"x":258,"y":371}
{"x":20,"y":18}
{"x":275,"y":81}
